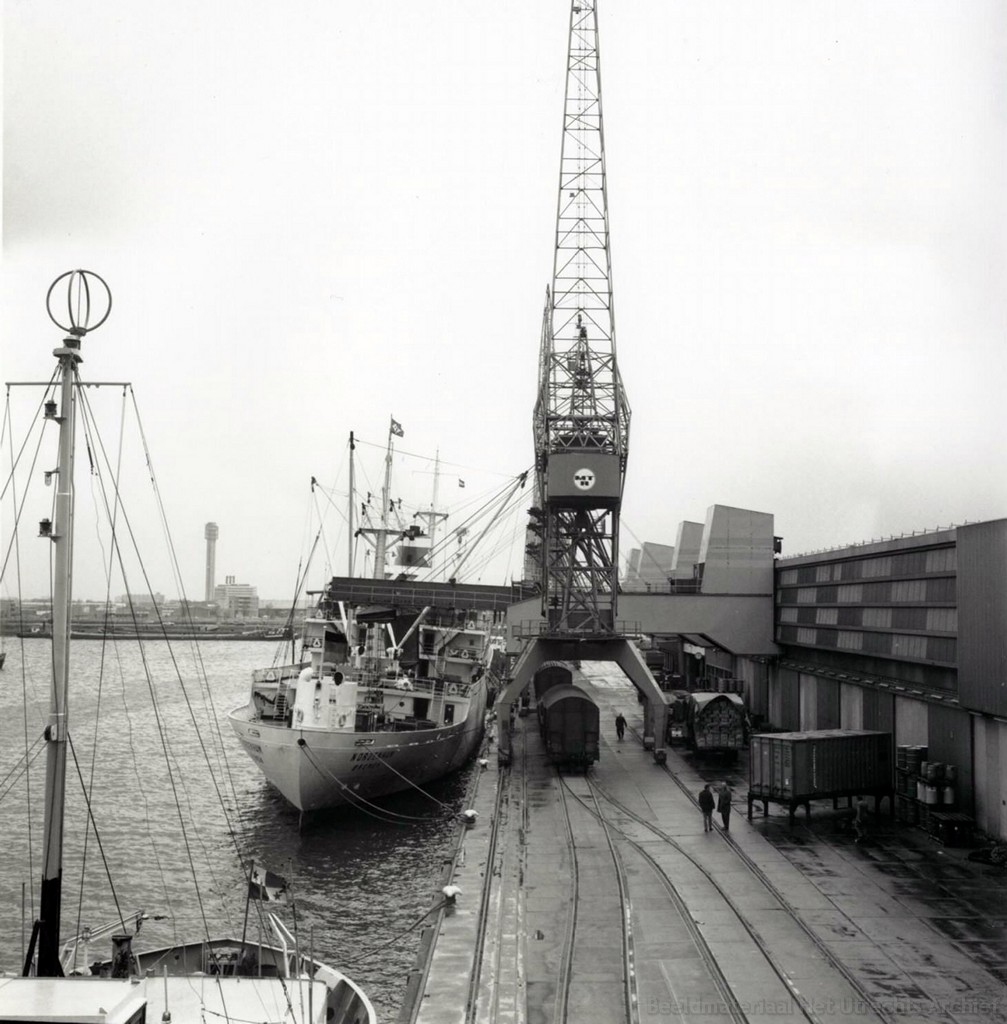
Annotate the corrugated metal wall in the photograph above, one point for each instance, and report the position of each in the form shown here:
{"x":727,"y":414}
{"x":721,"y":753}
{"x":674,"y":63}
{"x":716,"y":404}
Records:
{"x":982,"y":611}
{"x":828,"y":704}
{"x":808,"y":686}
{"x":911,"y":722}
{"x":755,"y":676}
{"x":785,"y":703}
{"x":989,"y":759}
{"x":950,"y":734}
{"x":879,"y":711}
{"x":851,"y":707}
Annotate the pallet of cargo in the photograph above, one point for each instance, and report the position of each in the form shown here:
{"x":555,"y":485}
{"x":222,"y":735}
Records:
{"x":794,"y":768}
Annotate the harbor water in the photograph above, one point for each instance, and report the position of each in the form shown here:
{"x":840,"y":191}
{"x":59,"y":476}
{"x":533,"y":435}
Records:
{"x":360,"y":879}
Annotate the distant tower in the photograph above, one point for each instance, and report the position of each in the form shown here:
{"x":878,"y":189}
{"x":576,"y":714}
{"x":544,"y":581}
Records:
{"x":211,"y":533}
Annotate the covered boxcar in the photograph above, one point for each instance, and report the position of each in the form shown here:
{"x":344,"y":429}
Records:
{"x":568,"y":720}
{"x":549,"y":676}
{"x":715,"y":722}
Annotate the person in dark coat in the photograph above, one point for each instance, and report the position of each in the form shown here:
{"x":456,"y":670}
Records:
{"x":860,"y":820}
{"x":706,"y":805}
{"x":724,"y":806}
{"x":620,"y":725}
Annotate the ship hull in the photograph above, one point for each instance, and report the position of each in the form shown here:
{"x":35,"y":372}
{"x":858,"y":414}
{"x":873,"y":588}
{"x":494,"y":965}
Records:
{"x":316,"y":769}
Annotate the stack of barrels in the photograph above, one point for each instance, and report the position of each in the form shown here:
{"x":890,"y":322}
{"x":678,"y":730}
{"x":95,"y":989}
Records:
{"x":922,"y":786}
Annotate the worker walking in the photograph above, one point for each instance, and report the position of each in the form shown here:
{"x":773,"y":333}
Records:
{"x":860,"y":820}
{"x":620,"y":725}
{"x":724,"y":806}
{"x":706,"y":805}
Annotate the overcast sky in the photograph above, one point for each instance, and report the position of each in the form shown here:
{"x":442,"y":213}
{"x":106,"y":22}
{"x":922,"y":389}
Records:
{"x":317,"y":215}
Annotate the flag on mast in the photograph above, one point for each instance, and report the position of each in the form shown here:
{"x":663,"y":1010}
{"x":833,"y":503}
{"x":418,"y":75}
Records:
{"x":264,"y":885}
{"x":461,"y":482}
{"x":396,"y":428}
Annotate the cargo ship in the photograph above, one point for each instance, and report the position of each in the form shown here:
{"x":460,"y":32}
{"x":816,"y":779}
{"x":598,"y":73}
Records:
{"x":352,"y":719}
{"x":361,"y":714}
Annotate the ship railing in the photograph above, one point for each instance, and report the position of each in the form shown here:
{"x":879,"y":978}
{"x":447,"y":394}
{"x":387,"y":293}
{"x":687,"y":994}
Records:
{"x":429,"y":687}
{"x":276,"y":673}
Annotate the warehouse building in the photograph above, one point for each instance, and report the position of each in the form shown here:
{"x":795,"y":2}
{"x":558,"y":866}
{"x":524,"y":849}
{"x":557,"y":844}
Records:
{"x":907,"y":635}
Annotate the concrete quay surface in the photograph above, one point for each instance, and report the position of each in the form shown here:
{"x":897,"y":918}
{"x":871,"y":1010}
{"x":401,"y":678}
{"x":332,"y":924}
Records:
{"x":898,"y":929}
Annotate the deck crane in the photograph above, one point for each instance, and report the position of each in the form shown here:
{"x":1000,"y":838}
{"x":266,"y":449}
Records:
{"x":582,"y":415}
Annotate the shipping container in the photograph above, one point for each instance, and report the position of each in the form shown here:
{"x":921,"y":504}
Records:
{"x":568,"y":720}
{"x":801,"y":766}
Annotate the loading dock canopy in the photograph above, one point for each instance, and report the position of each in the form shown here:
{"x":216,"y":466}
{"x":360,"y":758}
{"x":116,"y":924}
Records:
{"x":699,"y":640}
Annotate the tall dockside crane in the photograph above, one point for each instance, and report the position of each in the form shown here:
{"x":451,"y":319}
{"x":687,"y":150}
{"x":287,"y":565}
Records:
{"x":581,"y":419}
{"x":581,"y":415}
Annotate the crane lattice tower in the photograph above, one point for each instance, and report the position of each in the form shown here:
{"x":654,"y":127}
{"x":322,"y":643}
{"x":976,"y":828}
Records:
{"x":581,"y":419}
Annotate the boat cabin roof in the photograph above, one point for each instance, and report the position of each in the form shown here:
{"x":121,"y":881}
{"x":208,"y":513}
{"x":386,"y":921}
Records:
{"x":190,"y":999}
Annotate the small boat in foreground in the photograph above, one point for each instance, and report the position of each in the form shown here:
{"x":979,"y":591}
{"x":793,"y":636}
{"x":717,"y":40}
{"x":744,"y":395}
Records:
{"x":253,"y":978}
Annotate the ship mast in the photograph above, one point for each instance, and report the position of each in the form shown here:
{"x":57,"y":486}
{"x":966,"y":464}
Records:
{"x":60,"y":534}
{"x":351,"y":536}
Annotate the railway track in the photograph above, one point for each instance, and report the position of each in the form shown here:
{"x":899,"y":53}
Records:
{"x":590,"y":923}
{"x":573,"y":871}
{"x":730,"y":1006}
{"x":496,"y":983}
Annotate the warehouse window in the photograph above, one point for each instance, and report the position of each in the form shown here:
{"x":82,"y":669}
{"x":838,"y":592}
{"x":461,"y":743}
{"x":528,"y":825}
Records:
{"x":850,"y":641}
{"x":940,"y":648}
{"x":909,"y":590}
{"x":807,"y":636}
{"x":823,"y":574}
{"x":850,"y":593}
{"x":788,"y":576}
{"x":942,"y":560}
{"x":909,"y":646}
{"x":850,"y":616}
{"x":877,"y":643}
{"x":909,"y":563}
{"x":878,"y":618}
{"x":877,"y":567}
{"x":942,"y":620}
{"x":788,"y":614}
{"x":942,"y":589}
{"x":807,"y":595}
{"x":827,"y":616}
{"x":909,"y":618}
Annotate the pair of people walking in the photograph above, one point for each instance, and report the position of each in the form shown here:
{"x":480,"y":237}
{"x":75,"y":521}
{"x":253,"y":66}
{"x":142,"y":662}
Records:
{"x":722,"y":803}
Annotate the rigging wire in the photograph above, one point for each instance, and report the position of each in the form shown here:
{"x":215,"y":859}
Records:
{"x":384,"y":945}
{"x":16,"y":547}
{"x":89,"y":789}
{"x":355,"y":799}
{"x":173,"y":776}
{"x":419,"y":789}
{"x":97,"y":839}
{"x":21,"y":767}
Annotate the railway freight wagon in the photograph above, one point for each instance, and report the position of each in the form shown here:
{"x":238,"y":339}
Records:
{"x":797,"y":767}
{"x":715,"y":722}
{"x":568,"y":720}
{"x":548,"y":677}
